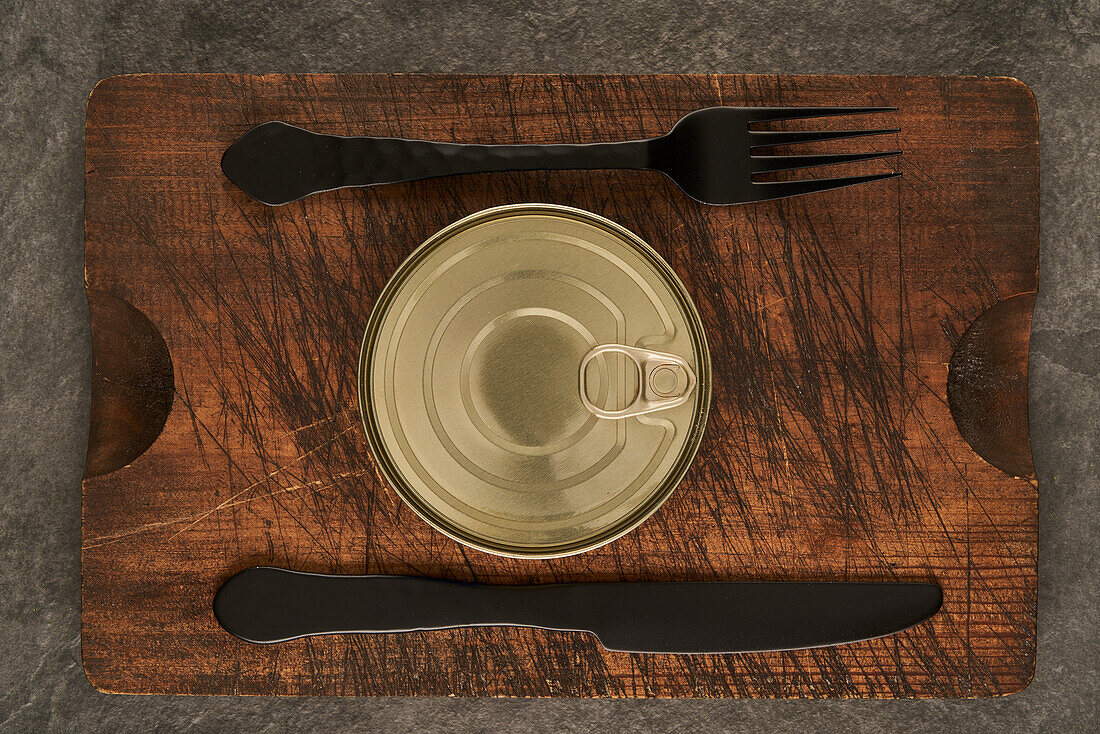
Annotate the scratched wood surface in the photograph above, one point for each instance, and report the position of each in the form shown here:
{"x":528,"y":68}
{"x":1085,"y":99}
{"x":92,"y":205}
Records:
{"x":830,"y":452}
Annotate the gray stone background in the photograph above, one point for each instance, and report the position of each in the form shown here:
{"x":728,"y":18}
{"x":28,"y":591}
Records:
{"x":53,"y":52}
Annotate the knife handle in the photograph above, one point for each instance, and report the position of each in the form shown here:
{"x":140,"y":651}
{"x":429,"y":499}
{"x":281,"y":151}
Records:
{"x":277,"y":163}
{"x":265,"y":604}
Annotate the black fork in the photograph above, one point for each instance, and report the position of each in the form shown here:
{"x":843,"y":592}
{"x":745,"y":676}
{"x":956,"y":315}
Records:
{"x":710,"y":154}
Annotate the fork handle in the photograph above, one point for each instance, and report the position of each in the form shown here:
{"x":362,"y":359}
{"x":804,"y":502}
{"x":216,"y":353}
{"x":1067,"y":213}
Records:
{"x":278,"y":163}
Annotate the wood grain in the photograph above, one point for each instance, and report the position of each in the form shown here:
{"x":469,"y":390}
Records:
{"x":830,"y":452}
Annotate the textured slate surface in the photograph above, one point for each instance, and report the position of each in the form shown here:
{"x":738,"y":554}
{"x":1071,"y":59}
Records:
{"x":53,"y":54}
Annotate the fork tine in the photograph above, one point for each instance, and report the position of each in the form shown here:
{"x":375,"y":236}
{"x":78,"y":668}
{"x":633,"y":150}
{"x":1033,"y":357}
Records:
{"x":760,"y":114}
{"x":789,"y":137}
{"x":769,"y":163}
{"x":783,"y":189}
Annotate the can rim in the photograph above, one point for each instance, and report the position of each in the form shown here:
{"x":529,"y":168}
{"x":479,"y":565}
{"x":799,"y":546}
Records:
{"x":380,"y":454}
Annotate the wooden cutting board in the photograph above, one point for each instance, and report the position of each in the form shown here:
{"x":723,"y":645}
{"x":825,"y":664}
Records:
{"x":831,"y":451}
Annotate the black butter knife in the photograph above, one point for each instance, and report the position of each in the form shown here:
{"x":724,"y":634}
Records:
{"x":264,"y":604}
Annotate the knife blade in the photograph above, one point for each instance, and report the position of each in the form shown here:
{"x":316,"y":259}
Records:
{"x":267,"y":605}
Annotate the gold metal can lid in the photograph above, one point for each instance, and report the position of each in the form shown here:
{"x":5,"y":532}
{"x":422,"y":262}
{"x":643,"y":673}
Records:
{"x":534,"y":381}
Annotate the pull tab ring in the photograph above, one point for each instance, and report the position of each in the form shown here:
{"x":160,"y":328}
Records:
{"x":665,"y":381}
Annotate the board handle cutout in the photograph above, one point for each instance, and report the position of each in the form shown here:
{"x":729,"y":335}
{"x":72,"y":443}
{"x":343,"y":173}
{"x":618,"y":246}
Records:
{"x":133,"y":384}
{"x":987,"y":385}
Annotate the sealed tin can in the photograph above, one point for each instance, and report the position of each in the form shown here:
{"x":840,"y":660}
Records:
{"x":534,"y":381}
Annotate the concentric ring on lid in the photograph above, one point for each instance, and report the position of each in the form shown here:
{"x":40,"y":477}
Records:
{"x":534,"y":381}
